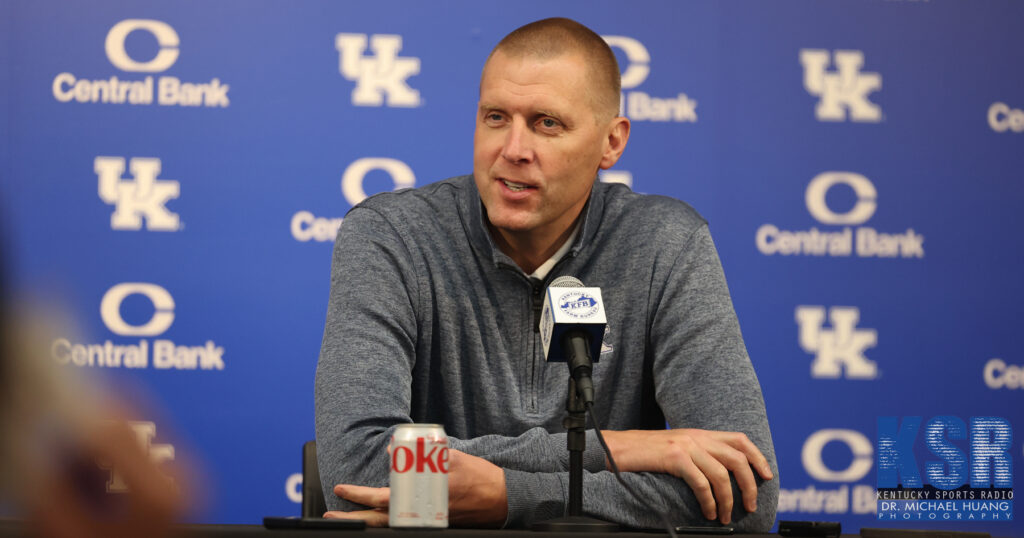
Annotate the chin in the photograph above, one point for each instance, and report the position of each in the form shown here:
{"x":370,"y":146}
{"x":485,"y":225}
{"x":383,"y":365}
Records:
{"x":510,"y":223}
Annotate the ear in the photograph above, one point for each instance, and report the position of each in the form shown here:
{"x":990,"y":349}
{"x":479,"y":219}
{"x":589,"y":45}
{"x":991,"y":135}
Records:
{"x":615,"y":144}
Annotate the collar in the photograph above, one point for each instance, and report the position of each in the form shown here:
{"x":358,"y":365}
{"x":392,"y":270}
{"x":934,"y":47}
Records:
{"x":471,"y":211}
{"x":541,"y":272}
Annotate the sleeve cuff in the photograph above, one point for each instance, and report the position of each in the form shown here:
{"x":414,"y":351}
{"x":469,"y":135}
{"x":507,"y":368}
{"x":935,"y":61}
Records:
{"x":533,"y":497}
{"x":593,"y":457}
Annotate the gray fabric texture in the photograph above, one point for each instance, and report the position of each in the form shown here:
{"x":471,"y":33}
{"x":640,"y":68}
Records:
{"x":428,"y":321}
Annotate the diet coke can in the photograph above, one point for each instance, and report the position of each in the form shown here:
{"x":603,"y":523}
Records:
{"x":419,"y":477}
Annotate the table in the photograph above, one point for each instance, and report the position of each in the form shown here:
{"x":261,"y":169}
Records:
{"x":15,"y":528}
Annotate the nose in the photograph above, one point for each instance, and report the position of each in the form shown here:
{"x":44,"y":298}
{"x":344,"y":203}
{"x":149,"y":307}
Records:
{"x":518,"y":148}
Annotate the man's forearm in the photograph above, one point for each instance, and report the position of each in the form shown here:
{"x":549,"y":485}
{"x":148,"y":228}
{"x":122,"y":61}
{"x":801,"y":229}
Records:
{"x":359,"y":456}
{"x":534,"y":451}
{"x":538,"y":496}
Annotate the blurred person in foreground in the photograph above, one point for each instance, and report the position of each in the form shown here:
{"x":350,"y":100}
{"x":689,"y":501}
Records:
{"x":61,"y":439}
{"x":435,"y":302}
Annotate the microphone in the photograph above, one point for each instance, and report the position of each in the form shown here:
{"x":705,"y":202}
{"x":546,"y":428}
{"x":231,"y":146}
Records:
{"x":571,"y":328}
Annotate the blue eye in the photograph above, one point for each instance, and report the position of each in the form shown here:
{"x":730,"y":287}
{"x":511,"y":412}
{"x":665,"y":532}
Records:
{"x":549,"y":123}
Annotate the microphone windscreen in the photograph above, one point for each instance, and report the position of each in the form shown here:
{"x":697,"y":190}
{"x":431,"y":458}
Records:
{"x":566,"y":281}
{"x":571,"y":306}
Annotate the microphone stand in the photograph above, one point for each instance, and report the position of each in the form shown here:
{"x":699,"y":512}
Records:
{"x":575,"y":424}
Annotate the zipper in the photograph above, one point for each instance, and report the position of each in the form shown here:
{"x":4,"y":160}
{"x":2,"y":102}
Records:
{"x":537,"y":301}
{"x":536,"y":307}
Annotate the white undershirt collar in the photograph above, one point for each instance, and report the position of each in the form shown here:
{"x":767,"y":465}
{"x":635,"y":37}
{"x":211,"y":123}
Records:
{"x":542,"y":272}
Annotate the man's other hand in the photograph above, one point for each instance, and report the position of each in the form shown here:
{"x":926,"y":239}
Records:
{"x":476,"y":492}
{"x":476,"y":495}
{"x":702,"y":458}
{"x":376,"y":499}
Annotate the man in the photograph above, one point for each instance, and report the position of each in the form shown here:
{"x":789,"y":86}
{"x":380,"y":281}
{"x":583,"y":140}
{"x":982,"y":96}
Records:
{"x":439,"y":322}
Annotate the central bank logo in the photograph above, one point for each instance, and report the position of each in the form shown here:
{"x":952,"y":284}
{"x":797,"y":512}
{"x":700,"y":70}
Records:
{"x":843,"y":90}
{"x":977,"y":486}
{"x":863,"y":241}
{"x":353,"y":178}
{"x":841,"y":348}
{"x":1002,"y":118}
{"x":166,"y":38}
{"x":638,"y":105}
{"x":158,"y":453}
{"x":999,"y":375}
{"x":147,"y":297}
{"x":382,"y":73}
{"x":163,"y":309}
{"x":306,"y":226}
{"x":141,"y":196}
{"x":862,"y":210}
{"x":833,"y":455}
{"x":164,"y":90}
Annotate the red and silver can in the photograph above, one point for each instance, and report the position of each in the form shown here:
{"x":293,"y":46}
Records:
{"x":419,"y":477}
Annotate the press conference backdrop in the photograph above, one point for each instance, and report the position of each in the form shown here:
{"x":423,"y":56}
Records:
{"x":175,"y":172}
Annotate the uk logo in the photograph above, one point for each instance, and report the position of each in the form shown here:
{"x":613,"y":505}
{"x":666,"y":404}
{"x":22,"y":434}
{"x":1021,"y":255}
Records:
{"x":844,"y":90}
{"x":385,"y":72}
{"x":840,"y":348}
{"x":142,"y":196}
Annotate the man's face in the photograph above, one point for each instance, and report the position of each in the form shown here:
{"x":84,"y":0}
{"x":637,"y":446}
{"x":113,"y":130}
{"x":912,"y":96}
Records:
{"x":538,"y":144}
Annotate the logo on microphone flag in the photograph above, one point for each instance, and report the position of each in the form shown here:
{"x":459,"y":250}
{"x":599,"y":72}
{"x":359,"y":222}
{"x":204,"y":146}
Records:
{"x":578,"y":304}
{"x":568,"y":308}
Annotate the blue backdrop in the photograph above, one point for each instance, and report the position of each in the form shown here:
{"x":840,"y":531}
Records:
{"x":175,"y":173}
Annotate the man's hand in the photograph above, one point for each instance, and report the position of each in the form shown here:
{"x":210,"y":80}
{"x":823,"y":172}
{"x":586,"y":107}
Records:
{"x":476,"y":492}
{"x":375,"y":498}
{"x":476,"y":495}
{"x":702,"y":458}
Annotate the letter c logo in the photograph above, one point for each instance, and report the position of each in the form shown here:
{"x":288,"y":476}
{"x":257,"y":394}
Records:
{"x":862,"y":186}
{"x":163,"y":317}
{"x":352,"y":179}
{"x":859,"y":445}
{"x":639,"y":59}
{"x":293,"y":487}
{"x":165,"y":36}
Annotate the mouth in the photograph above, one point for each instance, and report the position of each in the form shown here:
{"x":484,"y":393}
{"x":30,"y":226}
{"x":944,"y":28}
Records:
{"x":515,"y":187}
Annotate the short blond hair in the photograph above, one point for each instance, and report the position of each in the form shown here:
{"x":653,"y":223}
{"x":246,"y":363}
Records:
{"x":554,"y":37}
